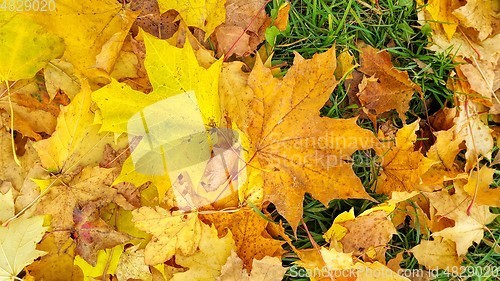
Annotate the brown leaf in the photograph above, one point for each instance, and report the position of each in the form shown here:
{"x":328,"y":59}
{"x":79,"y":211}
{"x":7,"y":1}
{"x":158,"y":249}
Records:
{"x":384,"y":88}
{"x":90,"y":185}
{"x":245,"y":19}
{"x":249,"y":233}
{"x":380,"y":230}
{"x":152,"y":21}
{"x":439,"y":253}
{"x":93,"y":234}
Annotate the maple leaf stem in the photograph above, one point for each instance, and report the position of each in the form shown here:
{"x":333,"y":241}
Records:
{"x":230,"y":51}
{"x":314,"y":244}
{"x":12,"y":125}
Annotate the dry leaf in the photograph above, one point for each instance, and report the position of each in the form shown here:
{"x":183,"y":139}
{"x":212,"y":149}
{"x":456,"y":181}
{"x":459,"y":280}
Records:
{"x":172,"y":233}
{"x":249,"y":233}
{"x":384,"y":87}
{"x":206,"y":263}
{"x":314,"y":156}
{"x":478,"y":187}
{"x":402,"y":166}
{"x":439,"y":253}
{"x":243,"y":29}
{"x":266,"y":269}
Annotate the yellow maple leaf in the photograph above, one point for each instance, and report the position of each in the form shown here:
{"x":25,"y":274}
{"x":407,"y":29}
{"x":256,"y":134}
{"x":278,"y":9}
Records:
{"x":107,"y":262}
{"x":478,"y":187}
{"x":183,"y":90}
{"x":249,"y":233}
{"x":204,"y":14}
{"x":439,"y":253}
{"x":76,"y":141}
{"x":18,"y":245}
{"x":172,"y":233}
{"x":58,"y":264}
{"x":402,"y":166}
{"x":290,"y":147}
{"x":470,"y":220}
{"x":442,"y":12}
{"x":205,"y":264}
{"x":266,"y":269}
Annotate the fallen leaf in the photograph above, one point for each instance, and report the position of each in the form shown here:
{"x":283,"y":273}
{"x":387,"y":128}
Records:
{"x":384,"y":87}
{"x":76,"y":141}
{"x":402,"y":166}
{"x":18,"y":245}
{"x":266,"y":269}
{"x":91,"y":185}
{"x":358,"y":243}
{"x":205,"y":264}
{"x":281,"y":21}
{"x":345,"y":65}
{"x":470,"y":220}
{"x":57,"y":264}
{"x":94,"y":234}
{"x":60,"y":76}
{"x":172,"y":233}
{"x":478,"y":15}
{"x":35,"y":113}
{"x":481,"y":78}
{"x":249,"y":233}
{"x":314,"y":157}
{"x":131,"y":266}
{"x":107,"y":262}
{"x":194,"y":105}
{"x":469,"y":126}
{"x":478,"y":187}
{"x":150,"y":19}
{"x":439,"y":253}
{"x":442,"y":13}
{"x":6,"y":205}
{"x":203,"y":14}
{"x":92,"y":24}
{"x":243,"y":29}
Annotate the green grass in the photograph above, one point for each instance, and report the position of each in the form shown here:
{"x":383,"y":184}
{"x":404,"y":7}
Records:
{"x":316,"y":25}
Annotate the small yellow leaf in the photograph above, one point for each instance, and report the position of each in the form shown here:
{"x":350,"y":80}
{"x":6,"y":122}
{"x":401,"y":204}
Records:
{"x":478,"y":187}
{"x":204,"y":14}
{"x":402,"y":166}
{"x":172,"y":233}
{"x":266,"y":269}
{"x":205,"y":264}
{"x":439,"y":253}
{"x":18,"y":245}
{"x":131,"y":266}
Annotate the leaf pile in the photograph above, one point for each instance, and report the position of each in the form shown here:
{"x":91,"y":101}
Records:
{"x":128,"y":156}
